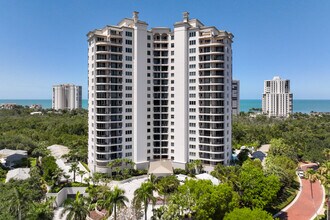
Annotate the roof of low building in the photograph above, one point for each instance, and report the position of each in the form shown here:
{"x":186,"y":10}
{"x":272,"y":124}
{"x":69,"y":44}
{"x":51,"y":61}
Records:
{"x":206,"y":176}
{"x":18,"y":174}
{"x":58,"y":151}
{"x":8,"y":152}
{"x":161,"y":167}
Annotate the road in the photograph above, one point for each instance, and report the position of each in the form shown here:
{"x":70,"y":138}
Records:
{"x":308,"y":202}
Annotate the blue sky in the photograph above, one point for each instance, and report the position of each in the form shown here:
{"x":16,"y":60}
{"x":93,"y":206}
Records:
{"x":44,"y":42}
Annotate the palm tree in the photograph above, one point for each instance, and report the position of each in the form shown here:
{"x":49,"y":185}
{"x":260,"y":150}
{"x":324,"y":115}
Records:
{"x":77,"y":208}
{"x":67,"y":177}
{"x":81,"y":173}
{"x":326,"y":153}
{"x":324,"y":177}
{"x":74,"y":168}
{"x":43,"y":210}
{"x":96,"y":178}
{"x":17,"y":203}
{"x":198,"y":166}
{"x":311,"y":175}
{"x":143,"y":195}
{"x":118,"y":199}
{"x":167,"y":185}
{"x":116,"y":163}
{"x":58,"y":174}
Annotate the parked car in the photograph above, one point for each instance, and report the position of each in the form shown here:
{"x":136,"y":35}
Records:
{"x":301,"y":174}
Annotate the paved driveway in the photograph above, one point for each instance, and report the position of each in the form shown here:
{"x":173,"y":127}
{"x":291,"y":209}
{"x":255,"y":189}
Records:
{"x":308,"y":202}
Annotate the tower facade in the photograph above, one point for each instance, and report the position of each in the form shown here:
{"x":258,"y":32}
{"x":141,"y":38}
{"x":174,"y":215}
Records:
{"x":159,"y":93}
{"x":235,"y":97}
{"x":66,"y":97}
{"x":277,"y":99}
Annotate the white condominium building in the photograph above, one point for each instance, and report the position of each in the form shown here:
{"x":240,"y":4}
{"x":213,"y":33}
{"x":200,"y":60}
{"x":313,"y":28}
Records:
{"x":235,"y":97}
{"x":66,"y":97}
{"x":159,"y":93}
{"x":277,"y":100}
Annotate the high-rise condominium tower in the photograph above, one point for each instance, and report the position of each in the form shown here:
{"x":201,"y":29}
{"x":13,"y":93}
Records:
{"x":66,"y":96}
{"x":159,"y":93}
{"x":235,"y":97}
{"x":277,"y":100}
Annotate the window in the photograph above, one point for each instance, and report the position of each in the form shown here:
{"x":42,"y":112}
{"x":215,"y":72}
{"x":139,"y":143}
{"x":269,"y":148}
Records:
{"x":128,"y":34}
{"x":192,"y":139}
{"x":148,"y":52}
{"x":148,"y":45}
{"x":192,"y":50}
{"x":128,"y":102}
{"x":129,"y":58}
{"x":172,"y":45}
{"x":129,"y":154}
{"x":172,"y":37}
{"x":127,"y":125}
{"x":128,"y":87}
{"x":192,"y":110}
{"x":128,"y":147}
{"x":148,"y":37}
{"x":192,"y":87}
{"x":192,"y":103}
{"x":192,"y":80}
{"x":192,"y":66}
{"x":128,"y":66}
{"x":192,"y":117}
{"x":192,"y":132}
{"x":192,"y":42}
{"x":191,"y":146}
{"x":192,"y":34}
{"x":128,"y":110}
{"x":129,"y":50}
{"x":192,"y":124}
{"x":172,"y":52}
{"x":128,"y":73}
{"x":128,"y":80}
{"x":128,"y":117}
{"x":129,"y":42}
{"x":192,"y":154}
{"x":128,"y":132}
{"x":192,"y":58}
{"x":192,"y":73}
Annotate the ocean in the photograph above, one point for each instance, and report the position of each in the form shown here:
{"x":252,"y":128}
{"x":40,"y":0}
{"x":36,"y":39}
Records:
{"x":299,"y":105}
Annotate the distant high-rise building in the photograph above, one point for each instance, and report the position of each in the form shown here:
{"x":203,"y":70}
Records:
{"x":235,"y":97}
{"x":159,"y":93}
{"x":277,"y":100}
{"x":67,"y":97}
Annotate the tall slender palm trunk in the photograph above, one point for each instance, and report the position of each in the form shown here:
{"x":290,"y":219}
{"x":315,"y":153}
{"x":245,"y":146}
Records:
{"x":311,"y":189}
{"x":115,"y":211}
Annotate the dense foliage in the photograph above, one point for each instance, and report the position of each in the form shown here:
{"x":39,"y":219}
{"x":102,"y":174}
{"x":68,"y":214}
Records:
{"x":305,"y":135}
{"x":248,"y":214}
{"x":20,"y":130}
{"x":22,"y":199}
